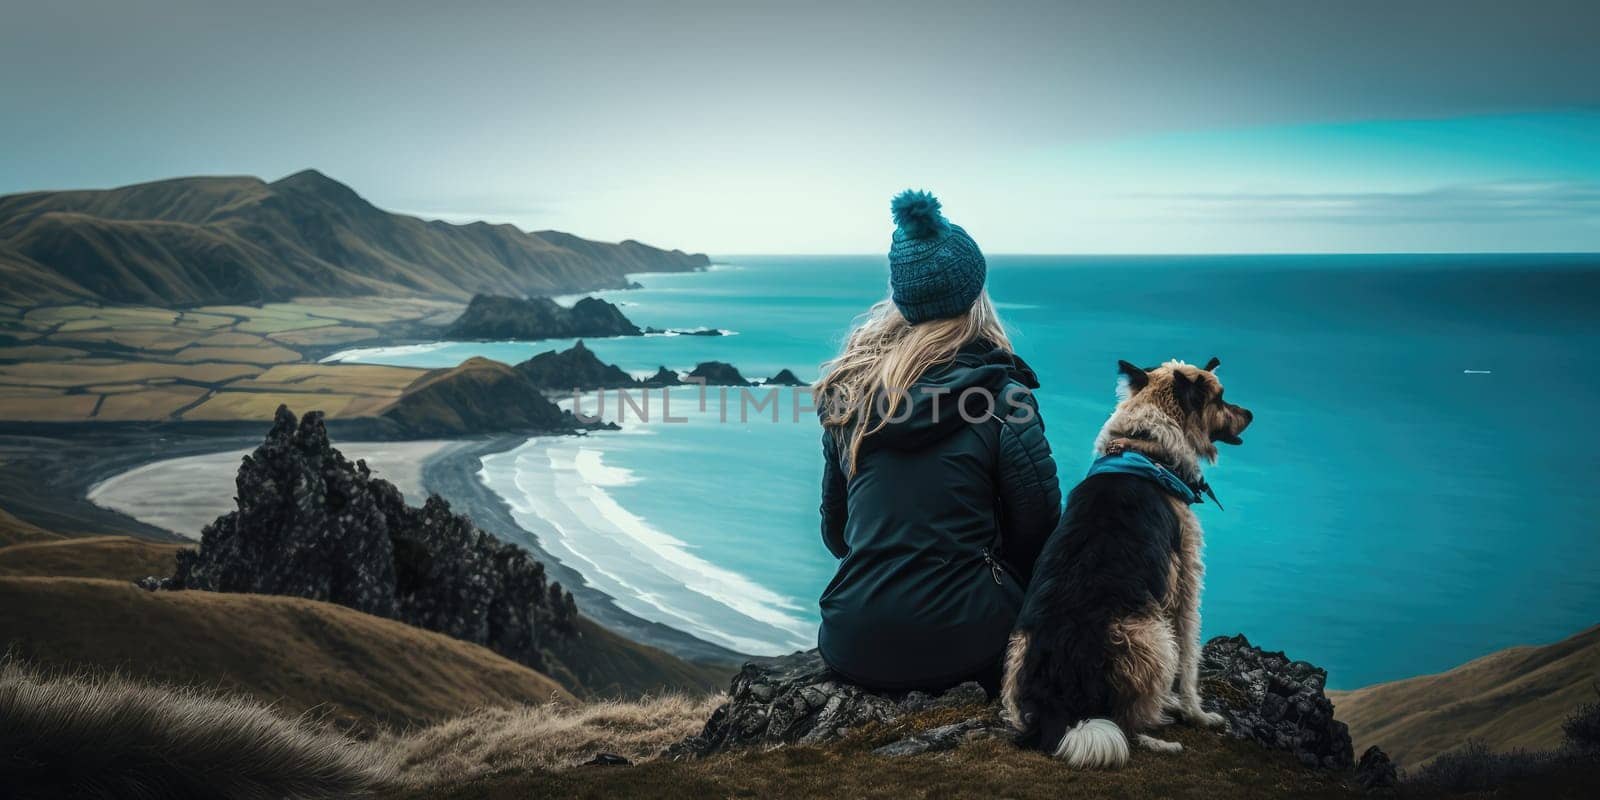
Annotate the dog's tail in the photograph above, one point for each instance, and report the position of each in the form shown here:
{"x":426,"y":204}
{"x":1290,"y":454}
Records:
{"x":1055,"y":699}
{"x":1094,"y":744}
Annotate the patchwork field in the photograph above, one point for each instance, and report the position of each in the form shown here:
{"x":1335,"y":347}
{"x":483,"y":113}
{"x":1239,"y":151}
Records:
{"x":90,"y":363}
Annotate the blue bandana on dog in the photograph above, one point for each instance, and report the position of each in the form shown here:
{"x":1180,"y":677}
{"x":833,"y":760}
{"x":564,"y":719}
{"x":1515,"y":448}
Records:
{"x":1129,"y":462}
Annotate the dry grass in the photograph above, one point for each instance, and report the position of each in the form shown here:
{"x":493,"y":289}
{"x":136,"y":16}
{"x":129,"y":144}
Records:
{"x":46,"y":407}
{"x":16,"y":531}
{"x":546,"y":737}
{"x":128,"y":351}
{"x":333,"y":335}
{"x":150,"y":404}
{"x":87,"y":372}
{"x":260,"y":354}
{"x":360,"y":378}
{"x":78,"y":737}
{"x":1211,"y":766}
{"x":38,"y":352}
{"x":261,"y":405}
{"x":354,"y":669}
{"x":1515,"y":698}
{"x":115,"y":557}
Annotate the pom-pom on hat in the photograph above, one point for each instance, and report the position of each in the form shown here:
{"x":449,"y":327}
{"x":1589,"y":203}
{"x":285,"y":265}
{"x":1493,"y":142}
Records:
{"x":935,"y":269}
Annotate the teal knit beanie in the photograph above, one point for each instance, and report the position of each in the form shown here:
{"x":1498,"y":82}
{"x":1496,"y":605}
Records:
{"x":935,"y":269}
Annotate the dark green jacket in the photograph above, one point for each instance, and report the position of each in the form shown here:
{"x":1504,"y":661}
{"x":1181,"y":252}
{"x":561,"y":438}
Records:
{"x":938,"y":530}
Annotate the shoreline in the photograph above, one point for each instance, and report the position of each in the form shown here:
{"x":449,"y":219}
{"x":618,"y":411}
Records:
{"x":184,"y":494}
{"x":46,"y":479}
{"x":452,"y":473}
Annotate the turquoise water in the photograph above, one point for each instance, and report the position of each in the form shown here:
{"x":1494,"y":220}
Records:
{"x":1390,"y":513}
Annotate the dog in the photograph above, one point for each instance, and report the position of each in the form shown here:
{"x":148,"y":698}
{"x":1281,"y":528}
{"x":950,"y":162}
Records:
{"x":1107,"y":645}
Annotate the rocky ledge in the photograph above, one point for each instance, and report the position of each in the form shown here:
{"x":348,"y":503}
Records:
{"x":798,"y":699}
{"x":1266,"y":698}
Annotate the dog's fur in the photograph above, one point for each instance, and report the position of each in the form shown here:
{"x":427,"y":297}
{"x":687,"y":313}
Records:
{"x":1108,"y":643}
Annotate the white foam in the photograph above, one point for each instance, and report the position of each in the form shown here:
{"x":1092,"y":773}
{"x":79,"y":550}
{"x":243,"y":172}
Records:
{"x":382,"y":353}
{"x":556,"y":488}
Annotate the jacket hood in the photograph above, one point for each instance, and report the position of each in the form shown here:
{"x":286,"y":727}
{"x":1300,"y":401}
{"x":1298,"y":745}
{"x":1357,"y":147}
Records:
{"x":933,"y":413}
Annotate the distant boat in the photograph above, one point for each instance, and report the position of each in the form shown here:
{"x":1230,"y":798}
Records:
{"x":1476,"y":372}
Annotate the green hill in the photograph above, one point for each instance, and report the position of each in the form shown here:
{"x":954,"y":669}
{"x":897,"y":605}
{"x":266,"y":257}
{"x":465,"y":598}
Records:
{"x":200,"y":240}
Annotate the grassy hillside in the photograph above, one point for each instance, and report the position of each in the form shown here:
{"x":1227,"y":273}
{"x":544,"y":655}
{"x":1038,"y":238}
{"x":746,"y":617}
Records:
{"x":190,"y":241}
{"x":113,"y":557}
{"x":480,"y":395}
{"x":16,"y":531}
{"x":604,"y":664}
{"x":1211,"y":766}
{"x":301,"y":655}
{"x":1515,"y":698}
{"x":596,"y":663}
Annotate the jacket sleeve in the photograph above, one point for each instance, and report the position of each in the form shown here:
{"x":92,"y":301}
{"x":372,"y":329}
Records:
{"x":834,"y":496}
{"x":1029,"y":492}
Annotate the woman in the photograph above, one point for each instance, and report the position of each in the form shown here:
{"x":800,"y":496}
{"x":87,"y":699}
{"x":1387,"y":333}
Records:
{"x":938,"y":490}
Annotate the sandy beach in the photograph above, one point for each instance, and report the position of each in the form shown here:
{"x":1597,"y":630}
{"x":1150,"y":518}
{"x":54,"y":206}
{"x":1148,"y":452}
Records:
{"x":183,"y":495}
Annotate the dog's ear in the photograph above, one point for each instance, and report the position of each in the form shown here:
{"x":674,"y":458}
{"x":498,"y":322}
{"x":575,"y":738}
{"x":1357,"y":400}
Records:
{"x":1211,"y":366}
{"x":1132,"y":378}
{"x":1190,"y":394}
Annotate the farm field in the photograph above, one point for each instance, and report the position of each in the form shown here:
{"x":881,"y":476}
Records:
{"x":89,"y":363}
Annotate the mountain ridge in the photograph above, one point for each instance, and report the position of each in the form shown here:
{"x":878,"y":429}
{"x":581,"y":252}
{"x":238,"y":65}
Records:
{"x":241,"y":239}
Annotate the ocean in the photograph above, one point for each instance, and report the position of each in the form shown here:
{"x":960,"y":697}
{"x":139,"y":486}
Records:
{"x":1418,"y":488}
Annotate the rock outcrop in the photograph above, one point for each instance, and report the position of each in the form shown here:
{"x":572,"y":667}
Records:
{"x":1274,"y":701}
{"x":718,"y":373}
{"x":311,"y":524}
{"x":574,"y":368}
{"x":797,"y":699}
{"x":579,"y":368}
{"x":1376,"y":771}
{"x":784,"y":377}
{"x":686,"y":331}
{"x":663,"y":377}
{"x":495,"y":317}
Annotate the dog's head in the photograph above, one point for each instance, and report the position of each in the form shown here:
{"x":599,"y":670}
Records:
{"x":1189,"y":396}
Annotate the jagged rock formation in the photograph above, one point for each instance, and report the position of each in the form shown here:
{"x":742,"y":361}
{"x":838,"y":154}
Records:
{"x":479,"y":396}
{"x":579,"y":368}
{"x":240,"y":239}
{"x":663,"y":377}
{"x":1275,"y":701}
{"x":311,"y":524}
{"x":718,"y":373}
{"x":574,"y":368}
{"x":1265,"y":697}
{"x":784,"y":377}
{"x":495,"y":317}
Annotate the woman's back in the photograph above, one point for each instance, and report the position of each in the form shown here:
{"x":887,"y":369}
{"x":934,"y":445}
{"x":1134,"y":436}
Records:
{"x":936,"y":475}
{"x":938,"y":527}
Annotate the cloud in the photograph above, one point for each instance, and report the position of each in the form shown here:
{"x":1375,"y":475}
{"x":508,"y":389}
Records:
{"x":1478,"y":203}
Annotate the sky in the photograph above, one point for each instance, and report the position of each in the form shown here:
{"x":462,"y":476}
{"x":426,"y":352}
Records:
{"x":756,"y":127}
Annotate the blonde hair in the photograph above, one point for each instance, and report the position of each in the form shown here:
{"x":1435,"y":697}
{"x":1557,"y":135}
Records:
{"x":884,"y":356}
